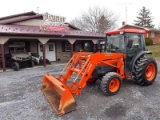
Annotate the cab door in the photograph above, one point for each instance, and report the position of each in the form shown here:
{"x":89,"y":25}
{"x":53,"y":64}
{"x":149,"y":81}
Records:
{"x":133,"y":47}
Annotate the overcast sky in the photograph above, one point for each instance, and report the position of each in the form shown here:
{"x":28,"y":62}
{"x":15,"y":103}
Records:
{"x":73,"y":8}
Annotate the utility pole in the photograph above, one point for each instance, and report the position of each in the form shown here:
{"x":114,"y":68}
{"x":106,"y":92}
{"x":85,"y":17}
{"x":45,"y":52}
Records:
{"x":37,"y":9}
{"x":126,"y":10}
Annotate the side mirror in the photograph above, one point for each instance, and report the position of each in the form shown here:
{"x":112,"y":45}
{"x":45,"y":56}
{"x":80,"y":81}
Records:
{"x":148,"y":52}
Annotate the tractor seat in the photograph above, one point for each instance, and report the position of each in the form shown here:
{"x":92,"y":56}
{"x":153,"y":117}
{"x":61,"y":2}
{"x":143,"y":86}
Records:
{"x":131,"y":49}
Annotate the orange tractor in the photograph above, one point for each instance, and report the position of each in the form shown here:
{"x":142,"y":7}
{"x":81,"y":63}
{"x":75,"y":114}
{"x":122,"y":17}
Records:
{"x":122,"y":55}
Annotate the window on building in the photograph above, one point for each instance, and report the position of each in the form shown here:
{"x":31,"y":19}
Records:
{"x":152,"y":34}
{"x":87,"y":46}
{"x":51,"y":47}
{"x":67,"y":46}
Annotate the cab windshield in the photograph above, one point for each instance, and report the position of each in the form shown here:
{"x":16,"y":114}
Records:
{"x":115,"y":43}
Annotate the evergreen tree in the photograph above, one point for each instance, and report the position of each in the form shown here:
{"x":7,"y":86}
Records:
{"x":144,"y":18}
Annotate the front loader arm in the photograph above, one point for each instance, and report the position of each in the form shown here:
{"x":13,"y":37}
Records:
{"x":87,"y":69}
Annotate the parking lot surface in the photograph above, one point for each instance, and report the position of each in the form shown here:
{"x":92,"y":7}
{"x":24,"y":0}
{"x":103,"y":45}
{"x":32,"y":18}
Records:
{"x":21,"y":99}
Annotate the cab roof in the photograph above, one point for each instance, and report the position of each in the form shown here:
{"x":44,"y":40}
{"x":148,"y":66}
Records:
{"x":127,"y":31}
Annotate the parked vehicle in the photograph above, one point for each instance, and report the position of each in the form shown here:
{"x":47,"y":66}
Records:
{"x":38,"y":60}
{"x":122,"y":57}
{"x":18,"y":58}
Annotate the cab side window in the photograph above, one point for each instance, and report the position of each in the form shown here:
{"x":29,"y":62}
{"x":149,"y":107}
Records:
{"x":136,"y":40}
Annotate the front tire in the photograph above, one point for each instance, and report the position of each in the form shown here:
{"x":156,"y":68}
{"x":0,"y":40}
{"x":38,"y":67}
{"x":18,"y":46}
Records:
{"x":15,"y":66}
{"x":111,"y":83}
{"x":145,"y":71}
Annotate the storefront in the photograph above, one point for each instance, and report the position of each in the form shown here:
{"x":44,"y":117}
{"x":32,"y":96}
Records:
{"x":24,"y":29}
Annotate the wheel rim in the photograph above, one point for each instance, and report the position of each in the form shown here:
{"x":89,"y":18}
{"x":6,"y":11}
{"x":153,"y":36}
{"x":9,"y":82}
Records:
{"x":114,"y":85}
{"x":150,"y":72}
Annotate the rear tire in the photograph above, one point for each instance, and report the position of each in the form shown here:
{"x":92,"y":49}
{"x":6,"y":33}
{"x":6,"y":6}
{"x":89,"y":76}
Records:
{"x":15,"y":66}
{"x":145,"y":71}
{"x":111,"y":83}
{"x":31,"y":64}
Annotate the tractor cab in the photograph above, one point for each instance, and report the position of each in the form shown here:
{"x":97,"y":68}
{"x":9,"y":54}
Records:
{"x":128,"y":41}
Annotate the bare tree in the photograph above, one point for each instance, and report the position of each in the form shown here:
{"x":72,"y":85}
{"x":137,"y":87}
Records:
{"x":96,"y":19}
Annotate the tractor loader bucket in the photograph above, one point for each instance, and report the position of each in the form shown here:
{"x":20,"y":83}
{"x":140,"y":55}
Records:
{"x":58,"y":95}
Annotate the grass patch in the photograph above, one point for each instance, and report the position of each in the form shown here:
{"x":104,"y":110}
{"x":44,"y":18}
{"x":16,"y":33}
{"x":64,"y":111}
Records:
{"x":155,"y":51}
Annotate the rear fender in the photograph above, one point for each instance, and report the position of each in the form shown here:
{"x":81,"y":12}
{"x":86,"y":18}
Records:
{"x":142,"y":53}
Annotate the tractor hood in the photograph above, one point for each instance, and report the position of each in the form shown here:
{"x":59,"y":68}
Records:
{"x":110,"y":55}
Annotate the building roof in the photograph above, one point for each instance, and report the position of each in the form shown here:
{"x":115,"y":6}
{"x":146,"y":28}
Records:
{"x":8,"y":28}
{"x":16,"y":15}
{"x":22,"y":30}
{"x":135,"y":26}
{"x":126,"y":25}
{"x":72,"y":26}
{"x":26,"y":16}
{"x":20,"y":17}
{"x":155,"y":30}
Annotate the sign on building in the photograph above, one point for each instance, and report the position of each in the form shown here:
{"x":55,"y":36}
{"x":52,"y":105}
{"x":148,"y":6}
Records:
{"x":53,"y":18}
{"x":54,"y":23}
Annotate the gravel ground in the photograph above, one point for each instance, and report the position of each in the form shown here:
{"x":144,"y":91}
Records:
{"x":22,"y":99}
